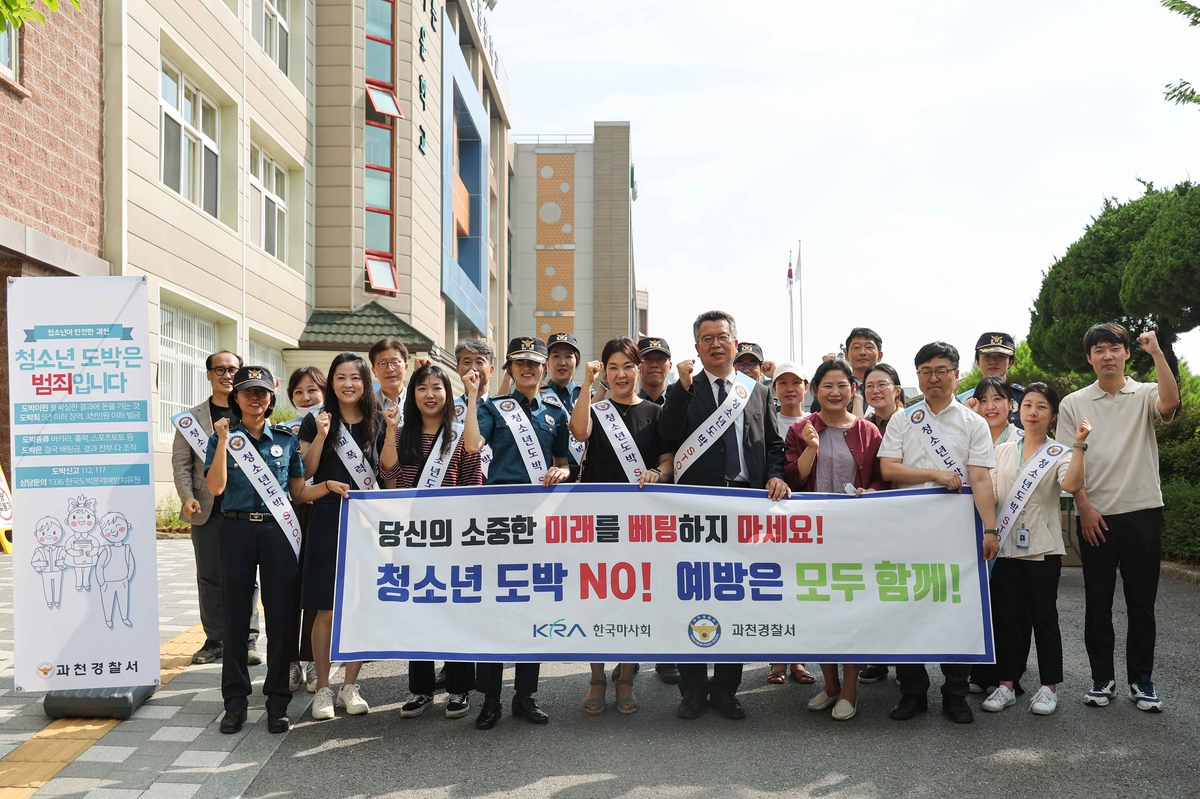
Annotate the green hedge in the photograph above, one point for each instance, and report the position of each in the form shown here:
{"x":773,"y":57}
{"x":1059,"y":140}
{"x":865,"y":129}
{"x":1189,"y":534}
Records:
{"x":1179,"y":447}
{"x":1181,"y":535}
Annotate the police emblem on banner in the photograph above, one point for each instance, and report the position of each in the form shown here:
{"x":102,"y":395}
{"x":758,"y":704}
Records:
{"x":185,"y":422}
{"x":507,"y":406}
{"x":704,"y":630}
{"x":1054,"y":450}
{"x":236,"y":444}
{"x":917,"y":416}
{"x":740,"y":389}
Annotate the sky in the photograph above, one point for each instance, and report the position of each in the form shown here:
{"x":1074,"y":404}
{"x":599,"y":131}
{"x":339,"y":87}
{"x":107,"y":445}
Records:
{"x":934,"y":156}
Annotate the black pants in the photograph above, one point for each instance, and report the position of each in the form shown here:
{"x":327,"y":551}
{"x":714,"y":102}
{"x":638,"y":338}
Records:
{"x":726,"y":677}
{"x":987,"y":675}
{"x":245,"y":548}
{"x":305,"y":618}
{"x":1024,"y":603}
{"x":1133,"y":544}
{"x":206,"y":546}
{"x":460,"y":677}
{"x":914,"y":679}
{"x":489,"y":677}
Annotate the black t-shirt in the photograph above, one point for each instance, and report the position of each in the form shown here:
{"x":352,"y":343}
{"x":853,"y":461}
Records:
{"x":331,"y":466}
{"x":602,"y":465}
{"x":218,"y":411}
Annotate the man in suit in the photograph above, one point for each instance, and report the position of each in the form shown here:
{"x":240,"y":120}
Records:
{"x":748,"y":455}
{"x":203,"y":512}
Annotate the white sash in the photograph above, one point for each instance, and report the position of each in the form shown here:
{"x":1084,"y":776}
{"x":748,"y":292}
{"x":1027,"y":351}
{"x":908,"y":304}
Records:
{"x":189,"y":427}
{"x":525,"y":436}
{"x":434,"y":473}
{"x":711,"y":429}
{"x":575,"y":447}
{"x":352,"y":458}
{"x":268,"y":488}
{"x":294,"y":424}
{"x":485,"y":454}
{"x":614,"y":427}
{"x":931,"y":436}
{"x":1044,"y":460}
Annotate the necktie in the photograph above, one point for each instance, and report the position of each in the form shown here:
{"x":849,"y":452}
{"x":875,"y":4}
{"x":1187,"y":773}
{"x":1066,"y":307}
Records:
{"x":733,"y":464}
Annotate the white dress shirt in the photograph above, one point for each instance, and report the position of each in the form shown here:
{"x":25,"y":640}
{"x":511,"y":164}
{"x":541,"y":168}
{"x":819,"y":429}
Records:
{"x":738,"y":422}
{"x":964,"y":432}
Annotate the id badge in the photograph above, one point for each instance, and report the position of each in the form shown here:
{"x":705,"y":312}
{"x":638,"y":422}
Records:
{"x":1022,"y":538}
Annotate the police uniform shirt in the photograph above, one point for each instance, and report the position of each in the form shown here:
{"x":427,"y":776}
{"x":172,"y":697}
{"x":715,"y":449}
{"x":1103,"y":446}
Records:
{"x":567,"y":395}
{"x":549,"y":422}
{"x":280,"y":451}
{"x":964,"y":432}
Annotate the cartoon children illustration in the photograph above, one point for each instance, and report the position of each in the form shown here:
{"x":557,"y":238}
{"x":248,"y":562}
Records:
{"x":49,"y":559}
{"x":82,"y":547}
{"x":115,"y":567}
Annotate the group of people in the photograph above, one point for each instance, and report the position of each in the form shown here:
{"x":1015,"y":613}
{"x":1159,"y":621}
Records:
{"x":854,"y":439}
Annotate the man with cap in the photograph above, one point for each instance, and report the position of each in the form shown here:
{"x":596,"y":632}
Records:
{"x":561,"y":361}
{"x":995,"y":354}
{"x":749,"y":360}
{"x":655,"y":366}
{"x":493,"y":423}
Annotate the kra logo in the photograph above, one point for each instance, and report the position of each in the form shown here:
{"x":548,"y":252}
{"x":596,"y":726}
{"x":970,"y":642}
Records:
{"x":704,"y":630}
{"x":557,"y":629}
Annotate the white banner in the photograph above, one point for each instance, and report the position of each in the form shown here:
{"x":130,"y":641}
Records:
{"x":84,"y":560}
{"x":666,"y":574}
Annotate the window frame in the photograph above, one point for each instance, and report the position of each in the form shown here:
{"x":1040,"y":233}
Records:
{"x":267,"y":21}
{"x":266,"y":195}
{"x":177,"y":355}
{"x":369,"y":282}
{"x":194,"y":189}
{"x":12,"y":73}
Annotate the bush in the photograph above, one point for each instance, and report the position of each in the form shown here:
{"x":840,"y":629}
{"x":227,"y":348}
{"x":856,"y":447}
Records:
{"x":1181,"y":533}
{"x":166,"y":513}
{"x":1179,"y":447}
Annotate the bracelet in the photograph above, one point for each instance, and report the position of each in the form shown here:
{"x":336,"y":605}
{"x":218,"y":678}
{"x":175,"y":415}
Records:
{"x":327,"y":488}
{"x":992,"y":531}
{"x":1082,"y":447}
{"x":656,"y":471}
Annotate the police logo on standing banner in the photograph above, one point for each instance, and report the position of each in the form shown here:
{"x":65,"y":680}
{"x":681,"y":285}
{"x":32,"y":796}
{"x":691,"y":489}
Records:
{"x":704,"y":630}
{"x":44,"y":670}
{"x":506,"y":405}
{"x":917,"y":416}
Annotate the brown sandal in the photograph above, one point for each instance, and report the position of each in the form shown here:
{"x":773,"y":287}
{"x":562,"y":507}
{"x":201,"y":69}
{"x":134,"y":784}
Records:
{"x":778,"y":675}
{"x":801,"y":675}
{"x":627,"y":705}
{"x":593,"y":706}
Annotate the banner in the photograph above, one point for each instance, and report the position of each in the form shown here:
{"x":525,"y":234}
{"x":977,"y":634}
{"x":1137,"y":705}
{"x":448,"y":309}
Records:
{"x":85,"y":580}
{"x":668,"y":574}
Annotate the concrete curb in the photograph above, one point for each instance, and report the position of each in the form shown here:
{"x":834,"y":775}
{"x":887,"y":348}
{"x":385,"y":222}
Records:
{"x":1181,"y":573}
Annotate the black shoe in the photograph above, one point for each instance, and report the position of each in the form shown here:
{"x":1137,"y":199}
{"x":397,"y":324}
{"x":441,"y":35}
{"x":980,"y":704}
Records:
{"x":439,"y":682}
{"x":252,"y":656}
{"x":693,"y":704}
{"x":210,"y":652}
{"x":525,"y":706}
{"x":668,"y":673}
{"x":616,"y":672}
{"x":233,"y":721}
{"x":957,"y":710}
{"x":489,"y":714}
{"x":280,"y":723}
{"x":872,"y":674}
{"x":910,"y":705}
{"x":725,"y":703}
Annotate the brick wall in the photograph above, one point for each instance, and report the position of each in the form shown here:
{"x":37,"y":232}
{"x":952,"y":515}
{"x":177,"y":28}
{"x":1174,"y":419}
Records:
{"x":50,"y":130}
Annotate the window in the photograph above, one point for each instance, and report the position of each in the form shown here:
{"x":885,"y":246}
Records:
{"x":269,"y":25}
{"x":382,"y":109}
{"x":381,"y":275}
{"x":270,"y":357}
{"x":185,"y":341}
{"x":268,"y":203}
{"x":10,"y":57}
{"x":189,"y":154}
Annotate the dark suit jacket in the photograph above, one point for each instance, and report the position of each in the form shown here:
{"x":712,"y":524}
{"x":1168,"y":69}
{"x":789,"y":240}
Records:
{"x":762,"y":447}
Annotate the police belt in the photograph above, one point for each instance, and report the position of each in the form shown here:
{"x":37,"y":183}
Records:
{"x":249,"y":517}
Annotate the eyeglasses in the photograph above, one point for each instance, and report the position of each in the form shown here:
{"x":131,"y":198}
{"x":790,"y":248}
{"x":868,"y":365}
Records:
{"x":385,"y":365}
{"x":256,"y":393}
{"x":221,"y":371}
{"x":722,"y":339}
{"x":884,"y":386}
{"x":940,"y":374}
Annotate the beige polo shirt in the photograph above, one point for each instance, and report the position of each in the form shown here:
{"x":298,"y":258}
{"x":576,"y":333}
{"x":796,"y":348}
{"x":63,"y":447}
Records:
{"x":1122,"y":456}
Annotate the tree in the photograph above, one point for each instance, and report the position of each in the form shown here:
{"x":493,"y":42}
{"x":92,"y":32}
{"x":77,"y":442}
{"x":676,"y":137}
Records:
{"x":1084,"y":287}
{"x":18,"y":12}
{"x":1162,"y":277}
{"x":1182,"y":93}
{"x":1025,"y":371}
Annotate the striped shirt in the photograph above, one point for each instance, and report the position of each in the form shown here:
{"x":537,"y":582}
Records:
{"x":462,"y":470}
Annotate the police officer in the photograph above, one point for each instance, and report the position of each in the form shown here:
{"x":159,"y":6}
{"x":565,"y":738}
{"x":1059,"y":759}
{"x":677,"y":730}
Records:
{"x":488,"y":424}
{"x":250,"y":538}
{"x":562,"y":361}
{"x":654,"y":368}
{"x":994,"y":355}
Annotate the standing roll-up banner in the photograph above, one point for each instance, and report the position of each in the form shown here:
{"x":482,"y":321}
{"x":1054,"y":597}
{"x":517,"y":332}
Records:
{"x":85,"y":584}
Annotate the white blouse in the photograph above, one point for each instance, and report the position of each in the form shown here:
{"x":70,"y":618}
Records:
{"x":1041,"y":515}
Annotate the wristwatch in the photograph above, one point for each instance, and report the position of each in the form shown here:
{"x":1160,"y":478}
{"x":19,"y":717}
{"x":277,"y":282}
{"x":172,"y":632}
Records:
{"x":1082,"y":446}
{"x":992,"y":531}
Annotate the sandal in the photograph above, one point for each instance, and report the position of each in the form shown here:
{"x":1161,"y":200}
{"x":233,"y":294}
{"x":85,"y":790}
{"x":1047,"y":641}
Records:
{"x":801,"y":675}
{"x":594,"y":706}
{"x":778,"y":675}
{"x":627,"y":705}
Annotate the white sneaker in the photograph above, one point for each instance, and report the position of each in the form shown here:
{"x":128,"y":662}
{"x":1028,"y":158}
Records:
{"x":1102,"y":691}
{"x":310,"y":677}
{"x":352,"y":700}
{"x":322,"y":706}
{"x":1142,"y":692}
{"x":1044,"y":702}
{"x":1000,"y":698}
{"x":295,"y":677}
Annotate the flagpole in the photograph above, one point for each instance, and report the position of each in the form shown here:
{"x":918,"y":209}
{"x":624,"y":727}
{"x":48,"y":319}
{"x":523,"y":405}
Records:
{"x":791,"y":314}
{"x":800,"y":280}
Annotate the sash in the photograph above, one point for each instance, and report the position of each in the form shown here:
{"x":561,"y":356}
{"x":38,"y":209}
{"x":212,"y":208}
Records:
{"x":575,"y":448}
{"x":434,"y":471}
{"x":524,"y":436}
{"x":268,"y":488}
{"x":189,"y":427}
{"x":294,"y":424}
{"x":1044,"y":460}
{"x":621,"y":439}
{"x":352,"y":458}
{"x":460,"y":415}
{"x":711,"y":429}
{"x":931,"y":436}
